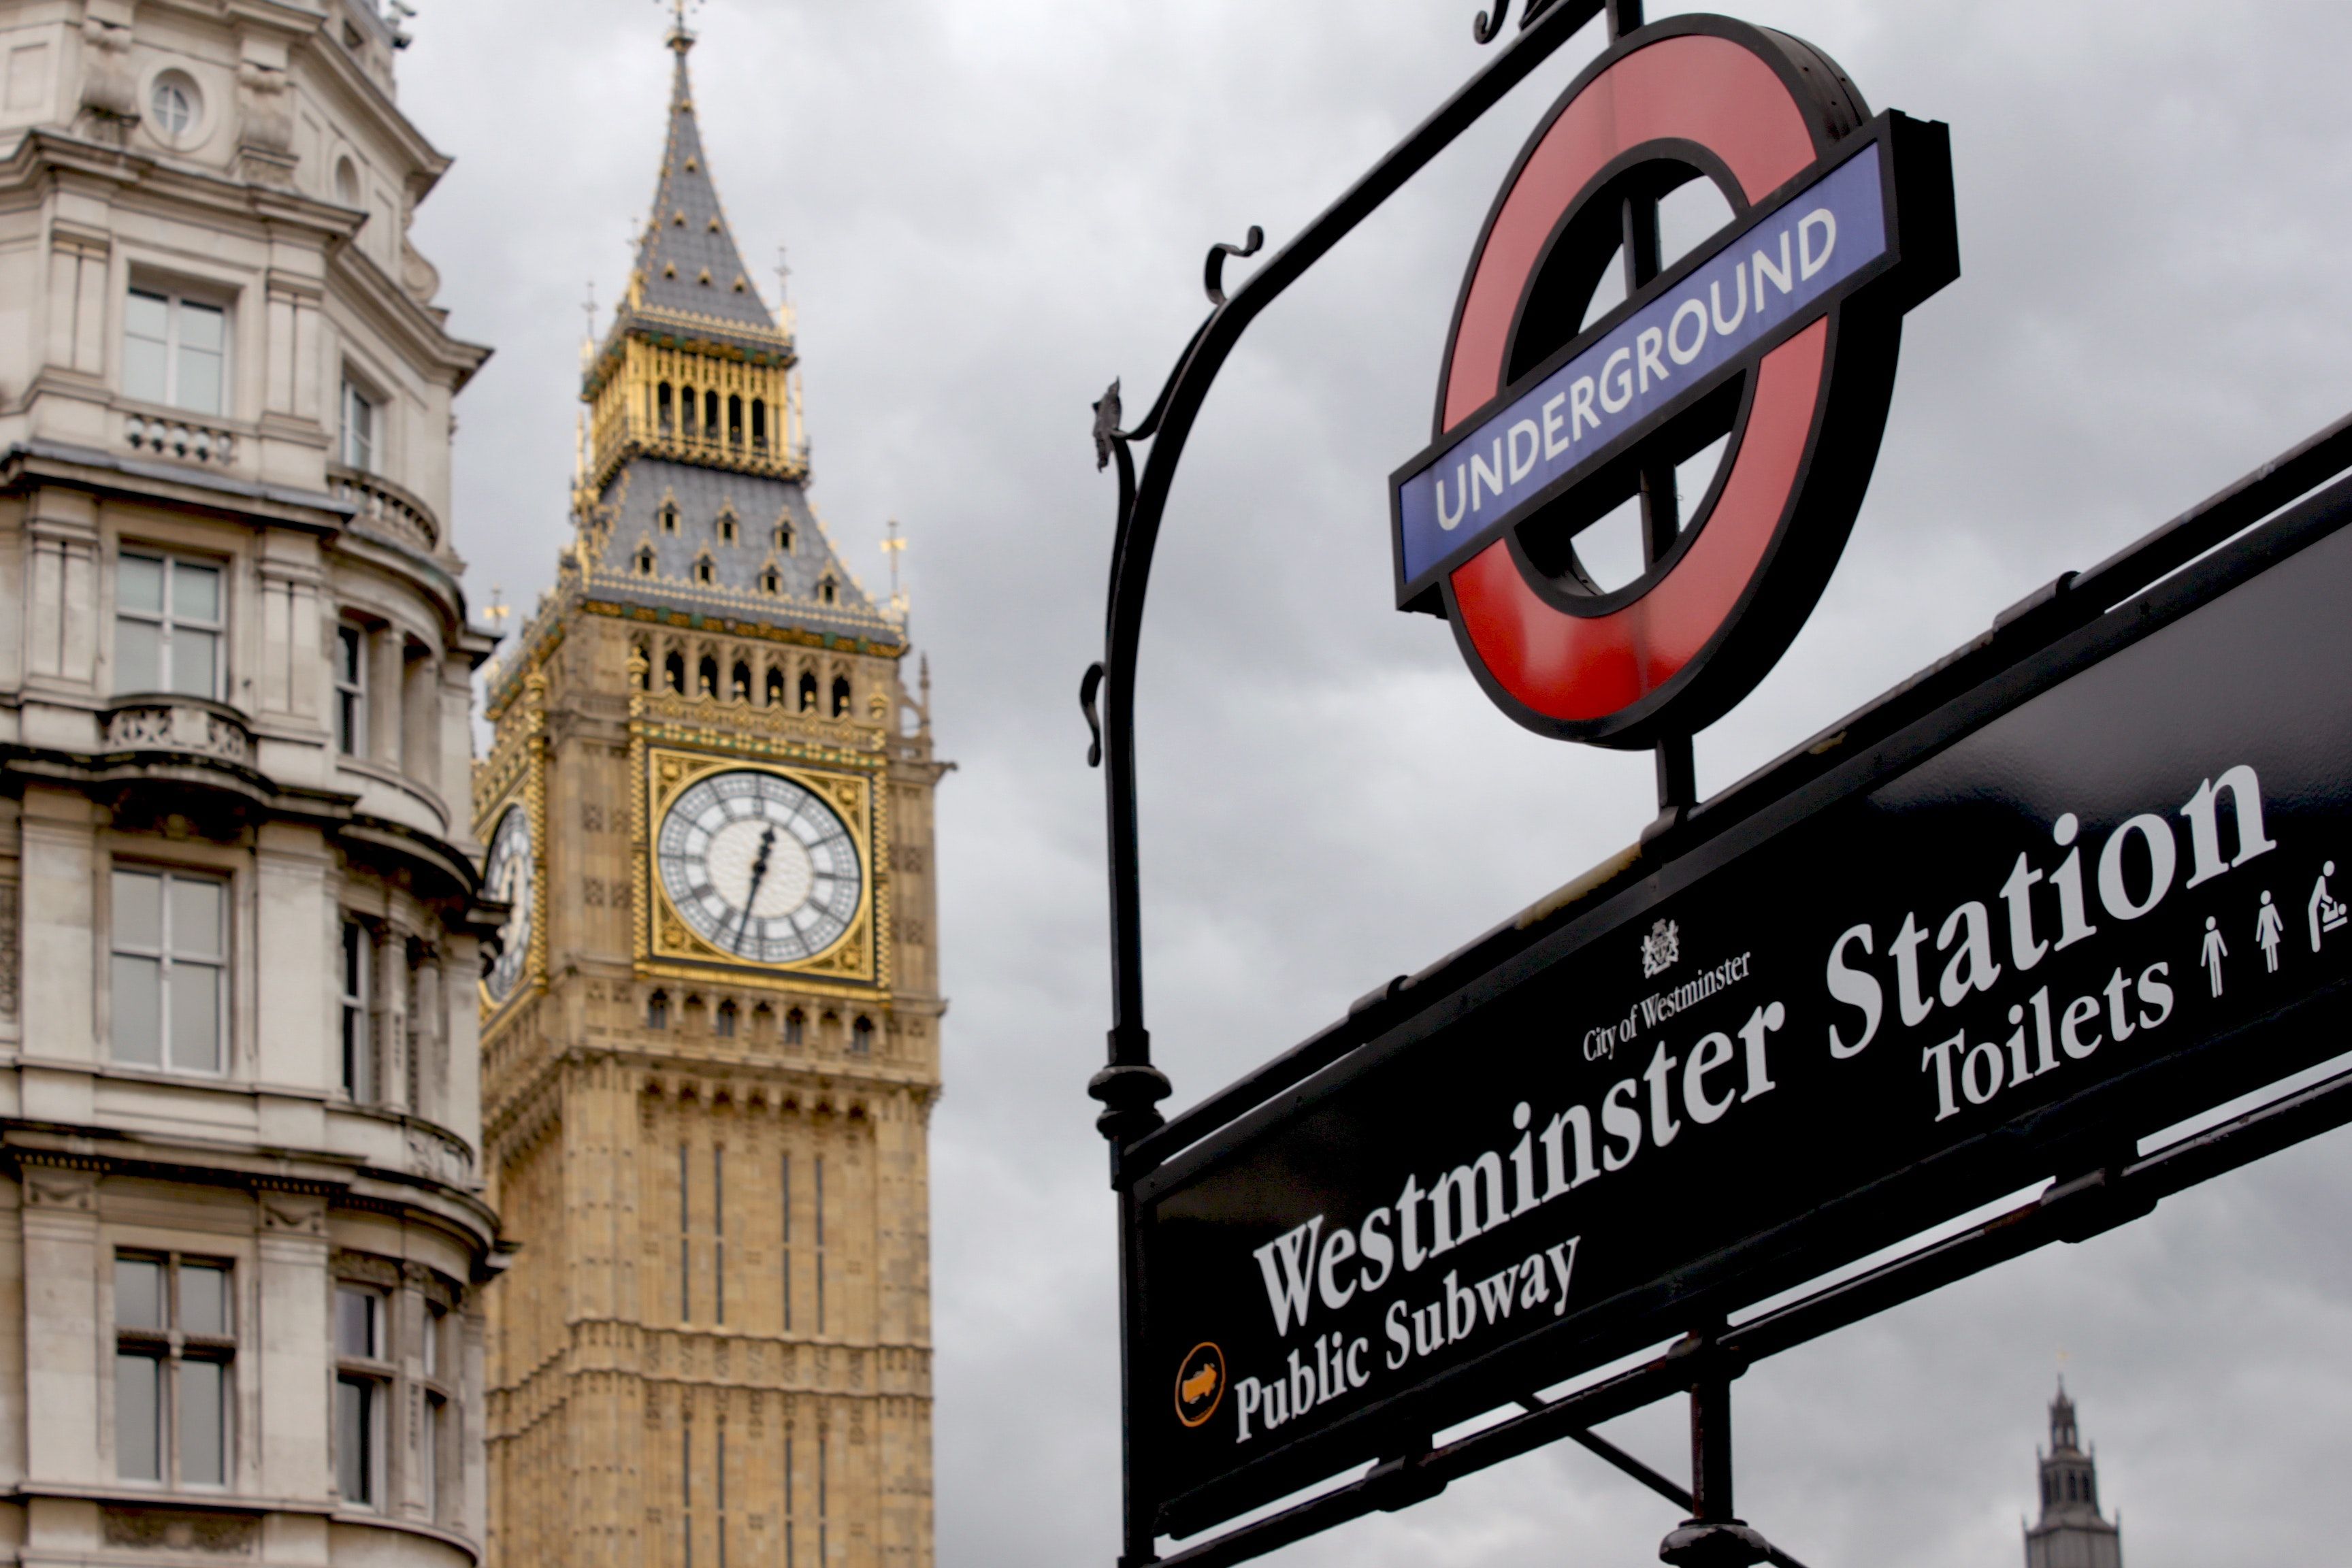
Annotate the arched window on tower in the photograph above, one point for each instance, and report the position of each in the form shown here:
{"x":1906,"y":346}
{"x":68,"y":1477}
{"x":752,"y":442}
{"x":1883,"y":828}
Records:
{"x":840,"y":695}
{"x":685,"y":410}
{"x":707,"y":677}
{"x":642,"y":665}
{"x":796,"y":1027}
{"x":711,"y":415}
{"x":734,"y":419}
{"x":775,"y":687}
{"x":674,"y":671}
{"x":808,"y":692}
{"x":663,"y":409}
{"x":759,"y":424}
{"x":861,"y":1036}
{"x":741,"y":687}
{"x":722,"y":1023}
{"x":657,"y":1010}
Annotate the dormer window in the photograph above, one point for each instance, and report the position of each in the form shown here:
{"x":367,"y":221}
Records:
{"x":771,"y":582}
{"x":645,"y":561}
{"x":827,"y":591}
{"x":668,"y":516}
{"x":784,"y":537}
{"x":726,"y":528}
{"x":702,"y":569}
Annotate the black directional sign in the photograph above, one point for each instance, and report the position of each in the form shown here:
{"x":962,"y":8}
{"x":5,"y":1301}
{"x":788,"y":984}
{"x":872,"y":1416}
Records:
{"x":2101,"y":892}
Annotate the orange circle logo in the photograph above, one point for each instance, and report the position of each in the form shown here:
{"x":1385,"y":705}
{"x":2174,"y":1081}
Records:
{"x":1200,"y":1383}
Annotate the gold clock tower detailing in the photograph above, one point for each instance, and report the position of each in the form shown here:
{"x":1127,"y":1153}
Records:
{"x":711,"y":1041}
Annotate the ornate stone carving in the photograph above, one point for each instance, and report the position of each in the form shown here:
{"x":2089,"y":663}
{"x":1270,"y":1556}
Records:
{"x":166,"y":725}
{"x":167,"y":1530}
{"x":61,"y":1187}
{"x":110,"y":91}
{"x":295,"y":1213}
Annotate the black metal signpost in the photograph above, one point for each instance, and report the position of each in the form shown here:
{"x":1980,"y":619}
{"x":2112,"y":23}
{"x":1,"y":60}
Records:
{"x":2075,"y":885}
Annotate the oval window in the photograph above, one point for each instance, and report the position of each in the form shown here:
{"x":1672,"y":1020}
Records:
{"x":173,"y":106}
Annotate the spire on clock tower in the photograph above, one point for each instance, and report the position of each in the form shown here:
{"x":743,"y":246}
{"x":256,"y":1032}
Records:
{"x":692,"y":492}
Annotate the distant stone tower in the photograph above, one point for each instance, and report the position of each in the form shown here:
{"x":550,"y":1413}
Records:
{"x":2071,"y":1534}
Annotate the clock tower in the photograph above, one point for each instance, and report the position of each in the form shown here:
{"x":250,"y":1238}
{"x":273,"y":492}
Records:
{"x":710,"y":1039}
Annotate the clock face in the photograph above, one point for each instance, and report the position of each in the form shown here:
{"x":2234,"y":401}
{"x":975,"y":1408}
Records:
{"x":759,"y":867}
{"x":507,"y":878}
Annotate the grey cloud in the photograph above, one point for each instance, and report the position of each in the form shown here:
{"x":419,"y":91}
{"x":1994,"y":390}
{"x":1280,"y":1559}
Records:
{"x":993,"y":208}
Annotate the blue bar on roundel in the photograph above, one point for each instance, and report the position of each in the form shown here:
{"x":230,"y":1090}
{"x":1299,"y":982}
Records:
{"x":1770,"y":276}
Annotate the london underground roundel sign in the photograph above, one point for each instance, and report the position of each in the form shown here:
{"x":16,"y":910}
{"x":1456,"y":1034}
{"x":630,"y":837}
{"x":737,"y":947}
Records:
{"x":1777,"y":335}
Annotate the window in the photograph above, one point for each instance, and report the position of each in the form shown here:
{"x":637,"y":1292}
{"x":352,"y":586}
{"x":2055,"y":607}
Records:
{"x":359,"y":1041}
{"x":795,"y":1027}
{"x":169,"y":978}
{"x":840,"y":696}
{"x":645,"y":561}
{"x":351,"y":690}
{"x":658,"y":1011}
{"x":662,"y":408}
{"x":362,"y":1394}
{"x":784,"y":537}
{"x":702,"y":568}
{"x":361,"y":418}
{"x":706,"y":683}
{"x":827,"y":591}
{"x":674,"y":671}
{"x":723,"y":1024}
{"x":174,"y":1343}
{"x":775,"y":684}
{"x":726,"y":528}
{"x":431,"y":1442}
{"x":770,"y":582}
{"x":861,"y":1036}
{"x":172,"y":106}
{"x":808,"y":691}
{"x":347,"y":183}
{"x":176,"y":351}
{"x":739,"y":686}
{"x":668,"y":517}
{"x":760,"y":423}
{"x":167,"y":625}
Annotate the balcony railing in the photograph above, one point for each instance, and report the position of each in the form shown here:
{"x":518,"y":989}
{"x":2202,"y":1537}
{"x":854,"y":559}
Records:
{"x":385,"y":509}
{"x":165,"y":722}
{"x":178,"y":438}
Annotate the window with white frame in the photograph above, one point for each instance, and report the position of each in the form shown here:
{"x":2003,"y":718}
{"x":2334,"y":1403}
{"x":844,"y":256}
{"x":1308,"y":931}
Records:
{"x":362,"y":1394}
{"x":358,"y":1036}
{"x":168,"y":625}
{"x":174,"y":1346}
{"x":351,"y":690}
{"x":170,"y":974}
{"x":363,"y":422}
{"x":176,"y":351}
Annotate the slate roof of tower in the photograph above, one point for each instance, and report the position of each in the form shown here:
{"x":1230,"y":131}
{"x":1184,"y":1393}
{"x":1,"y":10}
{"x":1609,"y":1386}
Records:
{"x":688,"y":264}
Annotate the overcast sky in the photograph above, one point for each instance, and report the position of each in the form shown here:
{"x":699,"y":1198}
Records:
{"x":993,"y":207}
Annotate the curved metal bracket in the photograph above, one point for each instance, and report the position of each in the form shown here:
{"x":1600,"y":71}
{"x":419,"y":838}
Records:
{"x":1212,"y":271}
{"x":1088,"y":685}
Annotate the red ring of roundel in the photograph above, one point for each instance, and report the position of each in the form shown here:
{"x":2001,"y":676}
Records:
{"x":1582,"y":677}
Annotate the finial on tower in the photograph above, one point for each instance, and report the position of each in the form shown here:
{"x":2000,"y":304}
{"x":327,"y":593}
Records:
{"x":894,"y":546}
{"x":679,"y":37}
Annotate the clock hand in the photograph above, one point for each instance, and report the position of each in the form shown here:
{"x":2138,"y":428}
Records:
{"x":759,"y":875}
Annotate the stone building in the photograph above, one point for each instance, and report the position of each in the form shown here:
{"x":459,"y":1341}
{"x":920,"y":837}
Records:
{"x":710,"y":1046}
{"x":2072,"y":1533}
{"x":242,"y":1229}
